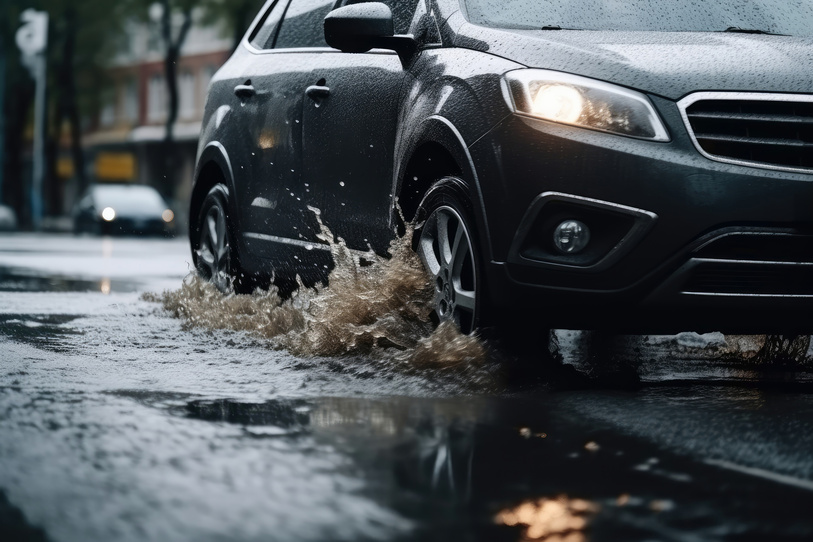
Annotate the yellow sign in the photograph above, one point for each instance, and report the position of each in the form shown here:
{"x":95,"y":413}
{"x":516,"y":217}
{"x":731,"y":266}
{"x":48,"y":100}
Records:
{"x":64,"y":167}
{"x":115,"y":166}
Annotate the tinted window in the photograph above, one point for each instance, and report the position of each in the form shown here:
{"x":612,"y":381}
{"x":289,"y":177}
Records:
{"x":263,"y":37}
{"x":304,"y":24}
{"x":402,"y":12}
{"x":792,"y":17}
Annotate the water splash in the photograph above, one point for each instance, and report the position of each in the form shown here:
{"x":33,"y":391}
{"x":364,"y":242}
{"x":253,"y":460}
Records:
{"x":382,"y":309}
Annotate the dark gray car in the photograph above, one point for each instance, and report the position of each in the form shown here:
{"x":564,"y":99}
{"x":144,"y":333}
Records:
{"x":122,"y":209}
{"x":642,"y":166}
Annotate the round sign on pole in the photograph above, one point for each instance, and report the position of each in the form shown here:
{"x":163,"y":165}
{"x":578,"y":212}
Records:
{"x":32,"y":37}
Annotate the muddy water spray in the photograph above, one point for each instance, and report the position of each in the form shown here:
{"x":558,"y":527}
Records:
{"x":381,"y":309}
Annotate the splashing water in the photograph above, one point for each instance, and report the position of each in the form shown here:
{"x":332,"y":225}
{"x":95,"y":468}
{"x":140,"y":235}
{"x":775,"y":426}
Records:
{"x":382,"y":309}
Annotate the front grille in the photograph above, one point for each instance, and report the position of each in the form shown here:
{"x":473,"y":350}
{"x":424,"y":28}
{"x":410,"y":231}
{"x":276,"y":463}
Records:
{"x":751,"y":279}
{"x":759,"y":246}
{"x":764,"y":130}
{"x":752,"y":263}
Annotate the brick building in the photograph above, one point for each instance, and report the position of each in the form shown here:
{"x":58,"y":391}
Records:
{"x":124,"y":143}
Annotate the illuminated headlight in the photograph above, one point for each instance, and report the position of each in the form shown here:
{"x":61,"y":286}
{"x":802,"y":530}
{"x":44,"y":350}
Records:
{"x":580,"y":101}
{"x":168,"y":216}
{"x":108,"y":214}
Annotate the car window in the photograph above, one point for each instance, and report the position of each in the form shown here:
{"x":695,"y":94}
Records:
{"x":303,"y":25}
{"x":264,"y":34}
{"x":402,"y":12}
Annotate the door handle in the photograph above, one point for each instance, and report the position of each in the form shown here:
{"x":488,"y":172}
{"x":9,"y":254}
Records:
{"x":317,"y":92}
{"x":244,"y":91}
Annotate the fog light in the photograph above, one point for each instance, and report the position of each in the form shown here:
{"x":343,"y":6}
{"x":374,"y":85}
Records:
{"x":571,"y":236}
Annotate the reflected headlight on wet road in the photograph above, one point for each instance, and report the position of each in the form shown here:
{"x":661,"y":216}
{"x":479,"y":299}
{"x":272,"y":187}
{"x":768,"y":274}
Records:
{"x":108,"y":214}
{"x":580,"y":101}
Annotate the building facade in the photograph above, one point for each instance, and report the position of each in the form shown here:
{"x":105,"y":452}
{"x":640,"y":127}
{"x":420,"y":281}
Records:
{"x":126,"y":140}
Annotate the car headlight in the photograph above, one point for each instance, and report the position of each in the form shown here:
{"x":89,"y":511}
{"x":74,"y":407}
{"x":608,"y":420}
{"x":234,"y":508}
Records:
{"x":108,"y":214}
{"x":580,"y":101}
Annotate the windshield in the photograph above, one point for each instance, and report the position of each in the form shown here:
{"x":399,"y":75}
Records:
{"x":790,"y":17}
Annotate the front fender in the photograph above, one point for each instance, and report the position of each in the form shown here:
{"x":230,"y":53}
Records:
{"x":440,"y":130}
{"x":214,"y":166}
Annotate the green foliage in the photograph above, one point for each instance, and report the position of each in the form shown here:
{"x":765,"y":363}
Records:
{"x":98,"y":27}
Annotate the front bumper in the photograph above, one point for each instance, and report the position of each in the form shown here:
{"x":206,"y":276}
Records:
{"x":727,"y":247}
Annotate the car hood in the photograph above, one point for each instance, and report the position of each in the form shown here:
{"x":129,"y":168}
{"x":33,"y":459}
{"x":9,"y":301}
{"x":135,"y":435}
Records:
{"x":670,"y":64}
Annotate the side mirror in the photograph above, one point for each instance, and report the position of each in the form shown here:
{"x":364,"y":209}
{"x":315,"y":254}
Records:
{"x":357,"y":28}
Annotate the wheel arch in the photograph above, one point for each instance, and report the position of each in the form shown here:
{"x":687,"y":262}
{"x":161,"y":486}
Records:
{"x":436,"y":150}
{"x":213,"y":167}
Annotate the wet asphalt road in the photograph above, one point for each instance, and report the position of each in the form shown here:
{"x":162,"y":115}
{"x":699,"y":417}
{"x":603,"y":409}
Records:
{"x":116,"y":423}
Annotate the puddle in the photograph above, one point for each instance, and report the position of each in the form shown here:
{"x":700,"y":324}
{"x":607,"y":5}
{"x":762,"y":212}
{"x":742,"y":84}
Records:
{"x":495,"y":468}
{"x":47,"y":332}
{"x":275,"y":417}
{"x":270,"y":418}
{"x":508,"y":469}
{"x":18,"y":280}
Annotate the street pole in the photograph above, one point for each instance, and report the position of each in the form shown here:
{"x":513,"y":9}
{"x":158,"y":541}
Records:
{"x":32,"y":39}
{"x":2,"y":116}
{"x":39,"y":144}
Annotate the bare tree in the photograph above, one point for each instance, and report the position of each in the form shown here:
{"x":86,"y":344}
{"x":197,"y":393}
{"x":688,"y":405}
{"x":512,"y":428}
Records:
{"x":68,"y":106}
{"x":168,"y":12}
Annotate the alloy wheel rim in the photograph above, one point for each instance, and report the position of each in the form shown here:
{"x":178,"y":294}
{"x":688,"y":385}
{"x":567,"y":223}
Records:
{"x":214,"y":251}
{"x":446,"y":250}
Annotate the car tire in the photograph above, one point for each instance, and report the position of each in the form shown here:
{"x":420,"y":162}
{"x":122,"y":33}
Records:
{"x":446,"y":241}
{"x":216,"y":254}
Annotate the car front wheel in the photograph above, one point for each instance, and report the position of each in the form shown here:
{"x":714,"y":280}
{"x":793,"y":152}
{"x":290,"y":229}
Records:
{"x":215,"y":253}
{"x":445,"y":242}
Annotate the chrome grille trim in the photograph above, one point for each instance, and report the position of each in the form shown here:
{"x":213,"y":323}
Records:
{"x":691,"y":99}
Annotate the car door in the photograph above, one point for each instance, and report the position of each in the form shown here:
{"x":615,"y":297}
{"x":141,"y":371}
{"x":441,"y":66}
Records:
{"x":349,"y":117}
{"x":270,"y":98}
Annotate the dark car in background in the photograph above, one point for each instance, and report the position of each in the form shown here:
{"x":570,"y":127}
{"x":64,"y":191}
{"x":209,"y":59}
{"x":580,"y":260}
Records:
{"x":121,"y":209}
{"x":636,"y":165}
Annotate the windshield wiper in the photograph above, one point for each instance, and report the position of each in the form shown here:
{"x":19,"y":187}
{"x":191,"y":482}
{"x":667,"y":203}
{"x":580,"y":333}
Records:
{"x":738,"y":30}
{"x":551,"y":27}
